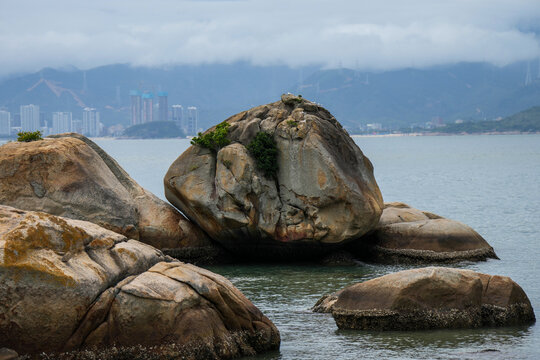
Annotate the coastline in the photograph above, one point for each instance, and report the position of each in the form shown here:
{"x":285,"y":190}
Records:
{"x":4,"y":140}
{"x":444,"y":134}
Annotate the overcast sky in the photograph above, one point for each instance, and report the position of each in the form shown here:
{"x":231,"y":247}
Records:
{"x":368,"y":34}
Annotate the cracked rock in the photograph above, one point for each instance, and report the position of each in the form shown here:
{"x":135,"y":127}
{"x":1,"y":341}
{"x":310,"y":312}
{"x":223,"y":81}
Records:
{"x":429,"y":298}
{"x":323,"y":175}
{"x":409,"y":235}
{"x":66,"y":285}
{"x":69,"y":175}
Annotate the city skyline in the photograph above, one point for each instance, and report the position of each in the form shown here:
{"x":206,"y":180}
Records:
{"x":143,"y":110}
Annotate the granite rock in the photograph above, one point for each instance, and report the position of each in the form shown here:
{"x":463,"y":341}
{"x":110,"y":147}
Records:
{"x":323,"y":195}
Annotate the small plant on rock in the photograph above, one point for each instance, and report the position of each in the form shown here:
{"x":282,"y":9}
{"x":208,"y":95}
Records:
{"x":263,"y":148}
{"x":292,"y":123}
{"x":213,"y":140}
{"x":27,"y":136}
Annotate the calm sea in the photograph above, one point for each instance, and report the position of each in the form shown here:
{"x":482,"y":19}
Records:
{"x":491,"y":183}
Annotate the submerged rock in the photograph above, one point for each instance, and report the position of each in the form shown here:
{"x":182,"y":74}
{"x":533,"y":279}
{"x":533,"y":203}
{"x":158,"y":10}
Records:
{"x":69,"y":284}
{"x":69,"y":175}
{"x":324,"y":193}
{"x":430,"y":298}
{"x":408,"y":235}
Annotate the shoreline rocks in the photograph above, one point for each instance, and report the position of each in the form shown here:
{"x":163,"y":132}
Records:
{"x":323,"y":195}
{"x":408,"y":235}
{"x":69,"y":175}
{"x":67,"y":285}
{"x":429,"y":298}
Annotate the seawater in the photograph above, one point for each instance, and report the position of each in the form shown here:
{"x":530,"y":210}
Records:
{"x":491,"y":183}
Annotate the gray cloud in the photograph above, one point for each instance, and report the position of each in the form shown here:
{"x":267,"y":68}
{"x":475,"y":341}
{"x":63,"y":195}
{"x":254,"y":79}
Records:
{"x":386,"y":34}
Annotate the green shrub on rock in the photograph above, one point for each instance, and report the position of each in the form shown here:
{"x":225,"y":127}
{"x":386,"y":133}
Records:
{"x":213,"y":140}
{"x":263,"y":148}
{"x":27,"y":136}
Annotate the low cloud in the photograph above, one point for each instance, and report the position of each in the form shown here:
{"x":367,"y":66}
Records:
{"x":388,"y":35}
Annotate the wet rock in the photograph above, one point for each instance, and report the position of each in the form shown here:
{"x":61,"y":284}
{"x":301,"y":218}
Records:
{"x":339,"y":258}
{"x":68,"y":284}
{"x":326,"y":303}
{"x":408,"y":235}
{"x":323,"y":195}
{"x":430,"y":298}
{"x":69,"y":175}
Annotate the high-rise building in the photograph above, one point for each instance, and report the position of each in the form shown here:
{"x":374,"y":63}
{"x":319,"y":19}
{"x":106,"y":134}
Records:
{"x":90,"y":124}
{"x":5,"y":123}
{"x":61,"y":122}
{"x":136,"y":106}
{"x":147,"y":107}
{"x":192,"y":119}
{"x":163,"y":106}
{"x":178,"y":116}
{"x":30,"y":118}
{"x":77,"y":126}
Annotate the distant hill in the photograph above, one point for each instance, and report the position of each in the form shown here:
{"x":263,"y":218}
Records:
{"x":397,"y":99}
{"x":524,"y":121}
{"x":218,"y":91}
{"x":154,"y":130}
{"x":409,"y":97}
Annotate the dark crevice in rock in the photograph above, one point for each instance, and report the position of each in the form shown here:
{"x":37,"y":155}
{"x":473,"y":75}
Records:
{"x":486,"y":287}
{"x":77,"y":339}
{"x":185,"y":283}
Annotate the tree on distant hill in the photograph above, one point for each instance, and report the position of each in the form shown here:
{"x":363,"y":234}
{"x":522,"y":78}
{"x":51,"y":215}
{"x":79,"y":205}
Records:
{"x":524,"y":121}
{"x":154,"y":130}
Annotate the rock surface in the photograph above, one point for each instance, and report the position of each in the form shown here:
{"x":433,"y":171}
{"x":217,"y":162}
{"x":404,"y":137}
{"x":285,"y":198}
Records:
{"x":408,"y":235}
{"x":8,"y":354}
{"x":324,"y":193}
{"x":71,"y":176}
{"x":69,"y":284}
{"x":430,"y":298}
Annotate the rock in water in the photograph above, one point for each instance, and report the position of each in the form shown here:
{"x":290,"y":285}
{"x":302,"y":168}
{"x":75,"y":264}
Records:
{"x":69,"y":284}
{"x":323,"y":194}
{"x":69,"y":175}
{"x":408,"y":235}
{"x":430,"y":298}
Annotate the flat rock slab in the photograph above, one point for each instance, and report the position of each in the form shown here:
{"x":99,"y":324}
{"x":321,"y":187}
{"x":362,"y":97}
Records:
{"x":70,"y":176}
{"x":430,"y":298}
{"x":67,"y":285}
{"x":323,"y":195}
{"x":408,"y":235}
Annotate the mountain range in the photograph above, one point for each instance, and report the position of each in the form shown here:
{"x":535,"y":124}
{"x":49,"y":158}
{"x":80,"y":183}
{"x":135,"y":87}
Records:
{"x":395,"y":99}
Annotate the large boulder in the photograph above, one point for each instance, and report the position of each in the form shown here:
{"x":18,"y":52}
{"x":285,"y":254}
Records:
{"x":69,"y":284}
{"x":323,"y":195}
{"x":408,"y":235}
{"x":69,"y":175}
{"x":430,"y":298}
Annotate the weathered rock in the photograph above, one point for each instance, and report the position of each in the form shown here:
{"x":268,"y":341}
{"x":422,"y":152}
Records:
{"x":324,"y":193}
{"x":408,"y":235}
{"x":326,"y":303}
{"x":71,"y":176}
{"x":69,"y":284}
{"x":430,"y":298}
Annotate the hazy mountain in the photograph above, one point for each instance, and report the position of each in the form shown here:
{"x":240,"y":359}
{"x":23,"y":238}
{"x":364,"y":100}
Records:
{"x":217,"y":90}
{"x":394,"y":98}
{"x":524,"y":121}
{"x":405,"y":97}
